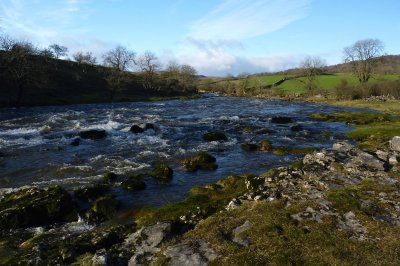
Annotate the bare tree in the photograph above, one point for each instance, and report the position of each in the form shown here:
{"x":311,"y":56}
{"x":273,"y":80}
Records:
{"x":312,"y":66}
{"x":58,"y":50}
{"x":119,"y":58}
{"x":84,"y":58}
{"x":188,"y":76}
{"x":362,"y":56}
{"x":19,"y":65}
{"x":148,"y":65}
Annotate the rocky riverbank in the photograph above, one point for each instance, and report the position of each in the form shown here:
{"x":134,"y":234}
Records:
{"x":353,"y":192}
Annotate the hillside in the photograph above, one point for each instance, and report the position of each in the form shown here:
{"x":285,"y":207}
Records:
{"x":48,"y":81}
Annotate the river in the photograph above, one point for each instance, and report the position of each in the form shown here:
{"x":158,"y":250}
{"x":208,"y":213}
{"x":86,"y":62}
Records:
{"x":36,"y":150}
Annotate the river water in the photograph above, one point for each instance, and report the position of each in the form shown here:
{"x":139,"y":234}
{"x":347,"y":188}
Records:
{"x":35,"y":142}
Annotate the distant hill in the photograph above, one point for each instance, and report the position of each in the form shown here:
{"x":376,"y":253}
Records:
{"x":55,"y":82}
{"x":388,"y":64}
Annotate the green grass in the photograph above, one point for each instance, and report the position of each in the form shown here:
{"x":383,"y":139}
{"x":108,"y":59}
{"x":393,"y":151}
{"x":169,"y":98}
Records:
{"x":277,"y":239}
{"x":373,"y":130}
{"x":208,"y":199}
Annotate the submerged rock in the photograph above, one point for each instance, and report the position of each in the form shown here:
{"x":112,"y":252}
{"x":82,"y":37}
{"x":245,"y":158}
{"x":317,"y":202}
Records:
{"x":215,"y":136}
{"x":136,"y":129}
{"x":91,"y":192}
{"x":93,"y":134}
{"x":202,"y":161}
{"x":110,"y":177}
{"x":249,"y":146}
{"x":148,"y":126}
{"x":265,"y":131}
{"x":134,"y":183}
{"x":36,"y":207}
{"x":281,"y":120}
{"x":296,"y":128}
{"x":162,"y":172}
{"x":76,"y":142}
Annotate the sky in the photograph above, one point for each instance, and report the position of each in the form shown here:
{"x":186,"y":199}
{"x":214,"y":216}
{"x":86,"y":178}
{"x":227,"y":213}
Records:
{"x":217,"y":37}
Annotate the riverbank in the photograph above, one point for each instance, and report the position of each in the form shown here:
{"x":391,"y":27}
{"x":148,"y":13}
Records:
{"x":337,"y":206}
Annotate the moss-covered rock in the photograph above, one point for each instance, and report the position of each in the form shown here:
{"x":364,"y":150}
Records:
{"x":134,"y":183}
{"x":215,"y":136}
{"x":162,"y":172}
{"x":91,"y":192}
{"x":280,"y":151}
{"x":249,"y":146}
{"x":265,"y":145}
{"x":36,"y":207}
{"x":202,"y":161}
{"x":93,"y":134}
{"x":102,"y":209}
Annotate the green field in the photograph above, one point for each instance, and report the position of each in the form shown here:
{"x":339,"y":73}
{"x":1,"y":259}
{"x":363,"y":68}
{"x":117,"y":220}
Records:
{"x":327,"y":82}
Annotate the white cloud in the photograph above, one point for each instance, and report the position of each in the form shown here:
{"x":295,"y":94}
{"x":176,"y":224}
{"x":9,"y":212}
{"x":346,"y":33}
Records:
{"x":212,"y":43}
{"x":240,"y":19}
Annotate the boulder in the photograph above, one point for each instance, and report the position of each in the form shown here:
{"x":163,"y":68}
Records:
{"x":93,"y":134}
{"x":36,"y":207}
{"x":265,"y":145}
{"x":215,"y":136}
{"x":134,"y":183}
{"x":91,"y":192}
{"x":395,"y":144}
{"x":76,"y":142}
{"x":202,"y":161}
{"x":162,"y":172}
{"x":136,"y":129}
{"x":102,"y":209}
{"x":281,"y":120}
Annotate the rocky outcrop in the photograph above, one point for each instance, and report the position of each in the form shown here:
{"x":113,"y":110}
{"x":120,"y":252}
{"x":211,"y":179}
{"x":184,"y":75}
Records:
{"x":36,"y":207}
{"x":320,"y":175}
{"x":395,"y":144}
{"x":102,"y":209}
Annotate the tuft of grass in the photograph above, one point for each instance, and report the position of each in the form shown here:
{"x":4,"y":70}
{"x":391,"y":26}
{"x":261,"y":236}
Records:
{"x":208,"y":199}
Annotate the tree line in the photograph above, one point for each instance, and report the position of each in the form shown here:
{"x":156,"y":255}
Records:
{"x":18,"y":62}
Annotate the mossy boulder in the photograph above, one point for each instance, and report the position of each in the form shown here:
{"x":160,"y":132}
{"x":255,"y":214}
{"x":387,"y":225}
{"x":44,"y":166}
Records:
{"x":162,"y":172}
{"x":93,"y":134}
{"x":136,"y":129}
{"x":102,"y":209}
{"x":36,"y":207}
{"x":249,"y":146}
{"x":202,"y":161}
{"x":134,"y":183}
{"x":110,"y":177}
{"x":265,"y":145}
{"x":215,"y":136}
{"x":281,"y":120}
{"x":280,"y":151}
{"x":91,"y":192}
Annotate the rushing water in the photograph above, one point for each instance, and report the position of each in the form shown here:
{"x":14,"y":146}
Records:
{"x":33,"y":156}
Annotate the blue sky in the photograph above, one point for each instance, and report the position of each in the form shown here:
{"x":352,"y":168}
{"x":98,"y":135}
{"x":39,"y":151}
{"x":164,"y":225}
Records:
{"x":217,"y":37}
